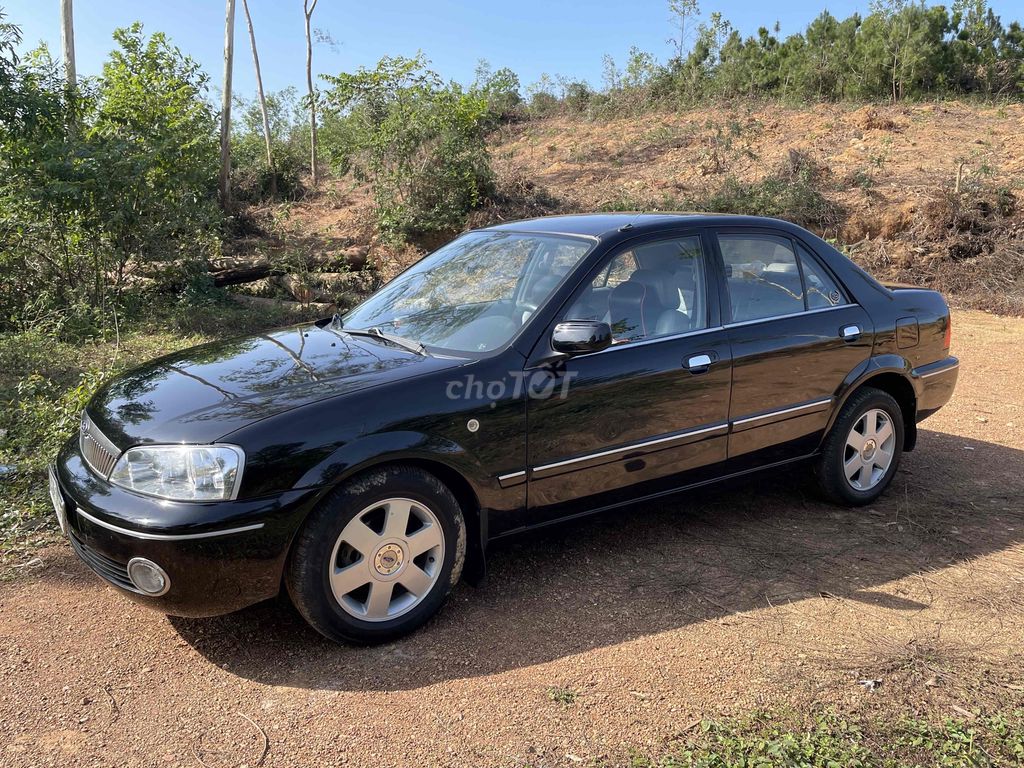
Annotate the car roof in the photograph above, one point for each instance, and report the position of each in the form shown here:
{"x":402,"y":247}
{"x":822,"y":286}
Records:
{"x":604,"y":225}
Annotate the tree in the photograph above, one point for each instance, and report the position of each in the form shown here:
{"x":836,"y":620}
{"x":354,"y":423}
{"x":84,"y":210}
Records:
{"x":225,"y":113}
{"x":900,"y":48}
{"x":67,"y":41}
{"x":500,"y":88}
{"x":129,"y":192}
{"x":683,"y":13}
{"x":262,"y":98}
{"x":308,"y":8}
{"x":975,"y":48}
{"x":823,"y":67}
{"x":157,"y":132}
{"x":695,"y":75}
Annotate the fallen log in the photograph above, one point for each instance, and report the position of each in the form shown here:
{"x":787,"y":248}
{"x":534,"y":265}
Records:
{"x":301,"y":290}
{"x":342,"y":288}
{"x":341,"y":282}
{"x":322,"y":307}
{"x":233,"y":270}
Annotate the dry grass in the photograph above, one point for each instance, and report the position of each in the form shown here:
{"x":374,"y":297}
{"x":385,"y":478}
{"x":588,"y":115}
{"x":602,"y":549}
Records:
{"x":926,"y":194}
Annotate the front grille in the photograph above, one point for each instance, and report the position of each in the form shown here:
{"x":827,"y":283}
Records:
{"x":110,"y":570}
{"x":98,"y":452}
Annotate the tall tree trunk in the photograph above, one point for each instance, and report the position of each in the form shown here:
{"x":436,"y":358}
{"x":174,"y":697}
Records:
{"x":225,"y":115}
{"x":263,"y":100}
{"x":308,"y":8}
{"x":67,"y":44}
{"x":67,"y":41}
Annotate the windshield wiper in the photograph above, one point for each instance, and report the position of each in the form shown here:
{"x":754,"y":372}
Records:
{"x":398,"y":341}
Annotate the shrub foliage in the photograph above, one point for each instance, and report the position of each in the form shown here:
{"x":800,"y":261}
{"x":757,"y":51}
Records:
{"x":421,"y":142}
{"x":105,"y":185}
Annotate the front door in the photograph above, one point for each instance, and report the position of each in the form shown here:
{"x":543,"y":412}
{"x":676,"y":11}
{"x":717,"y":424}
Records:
{"x":649,"y":413}
{"x":795,"y":335}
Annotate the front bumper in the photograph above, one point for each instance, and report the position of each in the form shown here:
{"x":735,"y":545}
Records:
{"x":219,"y":557}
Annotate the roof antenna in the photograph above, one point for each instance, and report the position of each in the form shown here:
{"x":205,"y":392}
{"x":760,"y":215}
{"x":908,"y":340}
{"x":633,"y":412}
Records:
{"x":629,"y":225}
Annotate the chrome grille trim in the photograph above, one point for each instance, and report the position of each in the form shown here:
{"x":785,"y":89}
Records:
{"x":99,"y":453}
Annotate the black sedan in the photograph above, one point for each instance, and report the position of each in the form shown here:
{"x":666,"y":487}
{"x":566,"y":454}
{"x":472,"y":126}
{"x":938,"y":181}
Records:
{"x":520,"y":375}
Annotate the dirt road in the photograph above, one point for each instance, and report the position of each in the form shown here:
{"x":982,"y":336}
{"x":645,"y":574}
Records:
{"x":585,"y":642}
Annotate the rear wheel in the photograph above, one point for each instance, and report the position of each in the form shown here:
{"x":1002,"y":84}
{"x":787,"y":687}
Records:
{"x":379,"y":556}
{"x":862,"y":452}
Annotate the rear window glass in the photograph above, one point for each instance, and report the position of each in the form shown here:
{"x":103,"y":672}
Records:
{"x":762,"y":275}
{"x":822,"y":290}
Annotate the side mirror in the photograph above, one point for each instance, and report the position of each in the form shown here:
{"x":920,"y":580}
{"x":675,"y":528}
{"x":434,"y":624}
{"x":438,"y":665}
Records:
{"x":575,"y":337}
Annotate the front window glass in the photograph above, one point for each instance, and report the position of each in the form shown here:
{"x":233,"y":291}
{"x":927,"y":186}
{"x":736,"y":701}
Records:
{"x":618,"y":271}
{"x":655,"y":289}
{"x":473,"y":294}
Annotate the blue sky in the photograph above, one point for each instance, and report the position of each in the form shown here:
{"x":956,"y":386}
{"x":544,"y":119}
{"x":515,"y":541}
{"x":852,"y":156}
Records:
{"x":530,"y":36}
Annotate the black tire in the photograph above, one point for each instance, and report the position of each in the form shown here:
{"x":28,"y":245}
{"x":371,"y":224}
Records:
{"x":830,"y":466}
{"x":307,"y":572}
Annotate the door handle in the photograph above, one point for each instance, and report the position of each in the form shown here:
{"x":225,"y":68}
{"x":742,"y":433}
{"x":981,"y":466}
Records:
{"x":849,"y":332}
{"x":698,"y":363}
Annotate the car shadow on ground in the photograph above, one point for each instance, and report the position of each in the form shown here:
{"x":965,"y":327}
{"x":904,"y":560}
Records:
{"x":656,"y":567}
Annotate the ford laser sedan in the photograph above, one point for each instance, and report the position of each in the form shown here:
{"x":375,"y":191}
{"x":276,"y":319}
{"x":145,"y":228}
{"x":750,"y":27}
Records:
{"x":520,"y":375}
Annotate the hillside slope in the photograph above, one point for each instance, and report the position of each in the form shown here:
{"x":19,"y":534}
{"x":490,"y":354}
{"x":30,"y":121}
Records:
{"x":891,"y":173}
{"x":926,"y":193}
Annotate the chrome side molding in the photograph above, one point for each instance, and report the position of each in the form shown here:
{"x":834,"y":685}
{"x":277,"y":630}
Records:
{"x":817,"y":405}
{"x":665,"y":441}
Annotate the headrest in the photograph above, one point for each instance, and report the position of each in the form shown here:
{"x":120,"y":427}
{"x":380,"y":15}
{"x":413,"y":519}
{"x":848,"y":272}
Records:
{"x":660,"y":285}
{"x":631,"y":309}
{"x":658,"y":255}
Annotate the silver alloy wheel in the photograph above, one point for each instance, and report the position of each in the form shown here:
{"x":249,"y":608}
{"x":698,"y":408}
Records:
{"x":387,"y":559}
{"x":869,"y":450}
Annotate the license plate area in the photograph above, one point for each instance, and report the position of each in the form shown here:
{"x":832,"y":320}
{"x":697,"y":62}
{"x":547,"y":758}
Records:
{"x":59,"y":506}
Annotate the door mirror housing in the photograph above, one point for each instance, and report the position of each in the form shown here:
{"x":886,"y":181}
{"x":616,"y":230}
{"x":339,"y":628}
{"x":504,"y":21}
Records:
{"x":577,"y":337}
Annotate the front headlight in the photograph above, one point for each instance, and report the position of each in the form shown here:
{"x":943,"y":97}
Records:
{"x":181,"y":472}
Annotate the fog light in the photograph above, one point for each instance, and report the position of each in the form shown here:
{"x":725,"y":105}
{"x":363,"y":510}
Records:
{"x":148,"y":577}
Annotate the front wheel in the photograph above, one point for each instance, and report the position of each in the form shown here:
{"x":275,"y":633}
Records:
{"x":862,"y":452}
{"x":379,"y":556}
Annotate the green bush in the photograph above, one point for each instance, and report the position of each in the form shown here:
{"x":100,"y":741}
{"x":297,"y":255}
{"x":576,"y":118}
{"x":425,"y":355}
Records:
{"x":500,"y":90}
{"x":103,"y":187}
{"x":791,"y":191}
{"x":419,"y":141}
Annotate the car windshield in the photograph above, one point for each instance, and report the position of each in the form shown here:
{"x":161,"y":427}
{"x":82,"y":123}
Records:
{"x":473,"y":294}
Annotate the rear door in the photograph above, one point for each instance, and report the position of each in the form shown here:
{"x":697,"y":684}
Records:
{"x":651,"y":411}
{"x":795,"y":334}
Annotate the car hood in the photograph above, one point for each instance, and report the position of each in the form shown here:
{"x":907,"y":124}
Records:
{"x":204,"y":393}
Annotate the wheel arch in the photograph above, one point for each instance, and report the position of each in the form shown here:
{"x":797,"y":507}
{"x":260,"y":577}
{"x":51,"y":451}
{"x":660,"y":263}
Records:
{"x":895,"y":382}
{"x":473,"y":513}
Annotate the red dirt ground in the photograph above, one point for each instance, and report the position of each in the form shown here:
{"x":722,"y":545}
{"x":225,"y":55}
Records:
{"x":645,"y":620}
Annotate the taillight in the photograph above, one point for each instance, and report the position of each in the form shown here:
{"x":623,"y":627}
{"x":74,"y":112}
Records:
{"x":949,"y":332}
